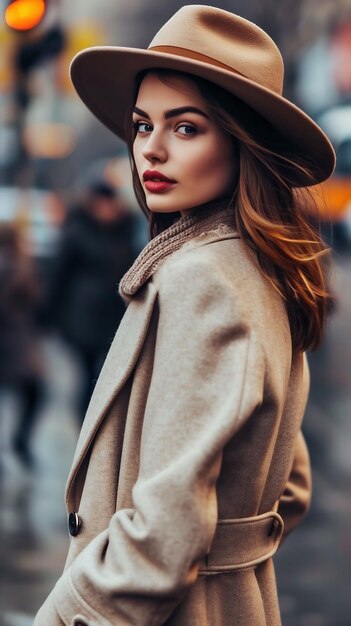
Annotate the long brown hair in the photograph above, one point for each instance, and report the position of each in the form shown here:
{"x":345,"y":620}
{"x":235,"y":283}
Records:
{"x":269,"y":211}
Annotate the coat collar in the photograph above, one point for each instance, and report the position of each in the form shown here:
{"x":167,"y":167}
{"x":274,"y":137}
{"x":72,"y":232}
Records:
{"x":119,"y":363}
{"x":216,"y":216}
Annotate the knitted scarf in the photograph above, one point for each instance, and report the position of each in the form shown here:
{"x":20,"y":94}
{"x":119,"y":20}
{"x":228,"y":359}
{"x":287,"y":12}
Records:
{"x":212,"y":216}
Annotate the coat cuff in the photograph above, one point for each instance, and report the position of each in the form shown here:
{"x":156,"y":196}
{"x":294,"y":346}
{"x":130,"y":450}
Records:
{"x":72,"y":608}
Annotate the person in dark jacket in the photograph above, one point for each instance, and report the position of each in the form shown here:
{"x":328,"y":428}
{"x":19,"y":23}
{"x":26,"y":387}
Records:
{"x":97,"y":247}
{"x":20,"y":358}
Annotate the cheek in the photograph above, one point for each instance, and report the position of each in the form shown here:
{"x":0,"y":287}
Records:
{"x":215,"y":164}
{"x":137,"y":155}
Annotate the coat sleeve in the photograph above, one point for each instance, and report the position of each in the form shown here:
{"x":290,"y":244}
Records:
{"x":207,"y":380}
{"x":295,"y":500}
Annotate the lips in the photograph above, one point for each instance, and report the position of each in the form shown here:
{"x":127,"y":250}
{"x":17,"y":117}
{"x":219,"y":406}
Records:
{"x":155,"y":182}
{"x":153,"y":175}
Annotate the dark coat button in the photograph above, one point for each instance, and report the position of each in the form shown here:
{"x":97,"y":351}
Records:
{"x":74,"y":523}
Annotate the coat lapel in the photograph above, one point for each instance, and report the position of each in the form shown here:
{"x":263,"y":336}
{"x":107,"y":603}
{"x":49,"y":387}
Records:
{"x":119,"y":363}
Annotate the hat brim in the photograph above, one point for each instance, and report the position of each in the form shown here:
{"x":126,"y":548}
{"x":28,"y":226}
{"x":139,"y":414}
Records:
{"x":105,"y":80}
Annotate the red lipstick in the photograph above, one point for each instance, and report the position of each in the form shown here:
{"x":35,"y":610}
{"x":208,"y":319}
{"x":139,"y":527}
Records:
{"x":156,"y":182}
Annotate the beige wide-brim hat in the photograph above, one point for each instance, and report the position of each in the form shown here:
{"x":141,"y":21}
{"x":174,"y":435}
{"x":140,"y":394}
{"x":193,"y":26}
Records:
{"x":221,"y":47}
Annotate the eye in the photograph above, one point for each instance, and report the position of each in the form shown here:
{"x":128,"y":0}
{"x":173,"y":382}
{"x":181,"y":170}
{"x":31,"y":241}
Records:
{"x":187,"y":129}
{"x":142,"y":127}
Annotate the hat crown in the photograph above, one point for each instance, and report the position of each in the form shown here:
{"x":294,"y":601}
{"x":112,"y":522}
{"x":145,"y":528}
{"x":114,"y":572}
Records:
{"x":226,"y":40}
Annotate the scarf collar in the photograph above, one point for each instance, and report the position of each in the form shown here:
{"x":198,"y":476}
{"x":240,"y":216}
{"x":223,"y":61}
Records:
{"x":213,"y":216}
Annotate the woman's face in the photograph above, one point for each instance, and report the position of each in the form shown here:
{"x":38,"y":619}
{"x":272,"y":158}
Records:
{"x":176,"y":138}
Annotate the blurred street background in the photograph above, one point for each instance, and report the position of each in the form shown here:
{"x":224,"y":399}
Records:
{"x":70,"y":228}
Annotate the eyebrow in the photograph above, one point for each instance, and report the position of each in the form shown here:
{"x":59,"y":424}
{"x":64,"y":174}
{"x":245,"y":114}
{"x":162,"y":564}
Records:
{"x":173,"y":112}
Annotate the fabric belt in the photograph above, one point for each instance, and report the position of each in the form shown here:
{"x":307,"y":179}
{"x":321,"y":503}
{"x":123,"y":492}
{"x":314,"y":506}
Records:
{"x":242,"y":543}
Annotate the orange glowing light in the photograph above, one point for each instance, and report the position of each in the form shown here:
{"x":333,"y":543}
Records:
{"x":24,"y":14}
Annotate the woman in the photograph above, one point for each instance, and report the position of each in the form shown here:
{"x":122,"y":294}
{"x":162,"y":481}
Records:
{"x":191,"y":465}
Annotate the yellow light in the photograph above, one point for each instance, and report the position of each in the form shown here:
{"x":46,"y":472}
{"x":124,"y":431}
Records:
{"x":24,"y":14}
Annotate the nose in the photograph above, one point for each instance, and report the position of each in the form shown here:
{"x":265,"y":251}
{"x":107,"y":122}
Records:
{"x":154,"y":148}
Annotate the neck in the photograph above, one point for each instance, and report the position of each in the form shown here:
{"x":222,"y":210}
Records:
{"x":216,"y":202}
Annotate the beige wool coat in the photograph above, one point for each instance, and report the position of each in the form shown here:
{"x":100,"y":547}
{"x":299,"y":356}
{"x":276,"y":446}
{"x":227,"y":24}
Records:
{"x":191,"y":458}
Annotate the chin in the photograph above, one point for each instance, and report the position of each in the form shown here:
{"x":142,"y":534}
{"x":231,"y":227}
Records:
{"x":159,"y":205}
{"x":162,"y":204}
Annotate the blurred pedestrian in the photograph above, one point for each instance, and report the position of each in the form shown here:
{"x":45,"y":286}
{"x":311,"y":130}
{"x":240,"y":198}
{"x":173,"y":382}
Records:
{"x":97,"y":247}
{"x":20,"y":358}
{"x":191,"y":465}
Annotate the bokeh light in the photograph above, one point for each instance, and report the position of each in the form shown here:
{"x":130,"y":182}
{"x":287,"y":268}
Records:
{"x":24,"y":14}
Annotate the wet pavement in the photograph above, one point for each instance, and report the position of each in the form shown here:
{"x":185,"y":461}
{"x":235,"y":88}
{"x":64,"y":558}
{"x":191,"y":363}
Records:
{"x":313,"y":566}
{"x":33,"y":521}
